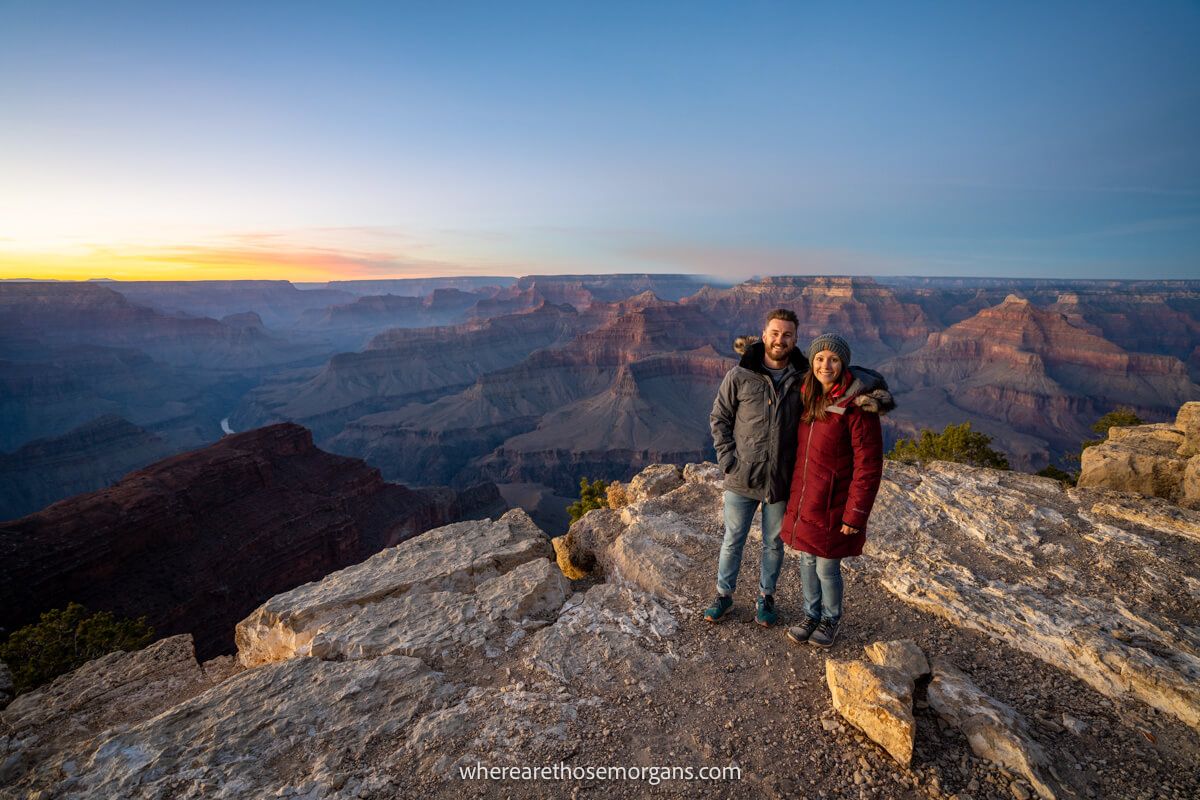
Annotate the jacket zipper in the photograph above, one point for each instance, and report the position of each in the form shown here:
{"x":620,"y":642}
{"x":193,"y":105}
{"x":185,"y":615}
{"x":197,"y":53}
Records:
{"x":773,"y":403}
{"x":804,"y":477}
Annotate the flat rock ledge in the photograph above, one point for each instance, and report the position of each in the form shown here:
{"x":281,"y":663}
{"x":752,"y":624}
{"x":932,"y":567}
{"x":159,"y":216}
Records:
{"x":1100,"y":584}
{"x":470,"y":583}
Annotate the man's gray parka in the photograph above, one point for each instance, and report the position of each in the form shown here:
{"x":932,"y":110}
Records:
{"x":754,"y":426}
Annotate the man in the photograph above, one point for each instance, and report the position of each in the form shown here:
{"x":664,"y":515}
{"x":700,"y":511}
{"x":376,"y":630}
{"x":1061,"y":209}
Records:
{"x":754,"y":420}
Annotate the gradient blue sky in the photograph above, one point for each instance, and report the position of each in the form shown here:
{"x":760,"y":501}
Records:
{"x":388,"y":139}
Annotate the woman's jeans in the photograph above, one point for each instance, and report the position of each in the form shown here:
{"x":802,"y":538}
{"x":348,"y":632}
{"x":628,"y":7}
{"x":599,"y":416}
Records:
{"x":822,"y":580}
{"x":739,"y":513}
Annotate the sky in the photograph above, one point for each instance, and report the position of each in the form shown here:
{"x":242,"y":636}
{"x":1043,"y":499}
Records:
{"x":351,"y":140}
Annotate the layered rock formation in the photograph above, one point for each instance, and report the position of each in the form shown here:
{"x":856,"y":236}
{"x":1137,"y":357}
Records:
{"x":465,"y":647}
{"x":357,"y":322}
{"x":89,"y":457}
{"x":583,"y":290}
{"x":92,"y":314}
{"x":1159,"y":460}
{"x":1033,"y":371}
{"x":482,"y":398}
{"x":419,"y":287}
{"x":618,"y":369}
{"x":278,"y":303}
{"x":403,"y":366}
{"x":196,"y":541}
{"x":655,"y":411}
{"x":1033,"y":375}
{"x":877,"y":322}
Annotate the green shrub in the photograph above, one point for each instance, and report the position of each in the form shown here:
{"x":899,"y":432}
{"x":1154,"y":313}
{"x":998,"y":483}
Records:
{"x":66,"y":638}
{"x":1051,"y":471}
{"x":591,"y":495}
{"x":955,"y":443}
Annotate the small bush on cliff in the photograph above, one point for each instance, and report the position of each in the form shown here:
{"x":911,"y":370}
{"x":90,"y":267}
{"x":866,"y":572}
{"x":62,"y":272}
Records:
{"x":1051,"y":471}
{"x":66,"y":638}
{"x":591,"y":495}
{"x":618,"y":495}
{"x":955,"y":443}
{"x":1119,"y":417}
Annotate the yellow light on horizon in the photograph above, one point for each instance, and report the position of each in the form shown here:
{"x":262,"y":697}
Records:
{"x":192,"y":264}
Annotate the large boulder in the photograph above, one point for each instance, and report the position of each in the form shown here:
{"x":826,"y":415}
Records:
{"x":1187,"y":420}
{"x":654,"y":481}
{"x":464,"y":584}
{"x":649,"y":543}
{"x":876,"y":700}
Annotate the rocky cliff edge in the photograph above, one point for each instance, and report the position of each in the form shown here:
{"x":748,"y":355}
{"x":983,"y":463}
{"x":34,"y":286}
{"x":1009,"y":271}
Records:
{"x":1061,"y":625}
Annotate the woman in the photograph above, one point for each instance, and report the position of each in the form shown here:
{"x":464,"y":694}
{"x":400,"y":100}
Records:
{"x":839,"y":462}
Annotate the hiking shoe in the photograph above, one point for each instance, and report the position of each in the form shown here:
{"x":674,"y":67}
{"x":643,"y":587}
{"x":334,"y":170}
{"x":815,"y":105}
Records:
{"x":719,"y":608}
{"x":825,"y":633}
{"x":765,"y":613}
{"x":800,"y":633}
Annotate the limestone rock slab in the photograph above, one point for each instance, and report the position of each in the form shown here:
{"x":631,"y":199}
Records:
{"x":264,"y":732}
{"x":607,"y":637}
{"x":351,"y":610}
{"x":1101,"y":641}
{"x":994,"y":730}
{"x":508,"y":725}
{"x":119,"y":688}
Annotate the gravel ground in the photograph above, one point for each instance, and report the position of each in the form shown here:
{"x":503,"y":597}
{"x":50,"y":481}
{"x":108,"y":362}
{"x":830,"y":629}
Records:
{"x":745,"y":696}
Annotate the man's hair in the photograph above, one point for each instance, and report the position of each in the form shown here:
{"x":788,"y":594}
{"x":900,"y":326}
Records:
{"x":785,"y":314}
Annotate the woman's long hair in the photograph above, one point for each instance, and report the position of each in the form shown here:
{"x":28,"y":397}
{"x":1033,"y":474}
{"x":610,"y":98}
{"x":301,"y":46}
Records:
{"x":813,"y":395}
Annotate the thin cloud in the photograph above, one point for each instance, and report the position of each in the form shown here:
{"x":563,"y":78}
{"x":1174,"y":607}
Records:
{"x":745,"y":262}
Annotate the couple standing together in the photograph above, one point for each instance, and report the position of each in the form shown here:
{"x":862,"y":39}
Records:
{"x":799,"y":436}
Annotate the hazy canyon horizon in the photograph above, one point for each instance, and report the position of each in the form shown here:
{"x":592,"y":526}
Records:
{"x":532,"y":383}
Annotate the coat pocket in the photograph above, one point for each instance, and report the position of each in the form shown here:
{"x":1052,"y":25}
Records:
{"x":818,"y":492}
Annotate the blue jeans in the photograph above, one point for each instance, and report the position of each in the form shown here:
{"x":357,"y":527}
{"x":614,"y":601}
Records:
{"x":822,"y":581}
{"x":739,"y":513}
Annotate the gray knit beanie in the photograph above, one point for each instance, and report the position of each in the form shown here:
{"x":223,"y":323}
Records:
{"x":833,"y":343}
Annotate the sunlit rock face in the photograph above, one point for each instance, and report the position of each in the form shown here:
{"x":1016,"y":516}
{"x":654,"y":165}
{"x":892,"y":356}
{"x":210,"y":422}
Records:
{"x":1161,"y":460}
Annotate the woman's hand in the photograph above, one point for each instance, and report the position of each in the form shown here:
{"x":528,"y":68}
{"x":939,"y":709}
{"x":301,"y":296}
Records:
{"x":849,"y":530}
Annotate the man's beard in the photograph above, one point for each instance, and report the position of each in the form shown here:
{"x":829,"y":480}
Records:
{"x":778,"y":351}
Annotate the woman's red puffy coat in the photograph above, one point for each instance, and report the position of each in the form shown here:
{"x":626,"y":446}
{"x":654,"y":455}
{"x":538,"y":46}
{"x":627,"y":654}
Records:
{"x":839,"y":463}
